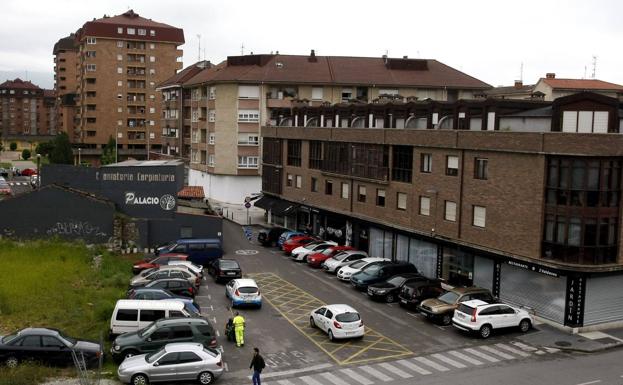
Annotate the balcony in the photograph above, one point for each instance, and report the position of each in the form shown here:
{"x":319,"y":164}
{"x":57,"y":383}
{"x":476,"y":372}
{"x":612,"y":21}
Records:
{"x":279,"y":103}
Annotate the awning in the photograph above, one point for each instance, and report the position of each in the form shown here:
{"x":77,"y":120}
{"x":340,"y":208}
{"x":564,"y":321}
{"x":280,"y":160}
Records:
{"x":275,"y":205}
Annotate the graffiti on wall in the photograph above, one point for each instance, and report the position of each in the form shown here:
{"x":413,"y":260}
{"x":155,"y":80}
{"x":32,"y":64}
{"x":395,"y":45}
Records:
{"x":76,"y":228}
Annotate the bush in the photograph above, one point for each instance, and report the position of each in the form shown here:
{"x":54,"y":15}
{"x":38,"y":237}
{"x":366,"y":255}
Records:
{"x":13,"y":146}
{"x":26,"y":154}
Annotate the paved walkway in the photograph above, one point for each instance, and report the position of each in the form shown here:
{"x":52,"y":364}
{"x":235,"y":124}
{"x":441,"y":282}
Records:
{"x":549,"y":336}
{"x":239,"y":214}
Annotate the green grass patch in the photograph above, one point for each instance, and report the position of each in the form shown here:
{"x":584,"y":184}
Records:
{"x":54,"y":283}
{"x":5,"y":165}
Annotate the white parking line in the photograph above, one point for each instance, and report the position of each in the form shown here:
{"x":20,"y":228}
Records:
{"x":513,"y":350}
{"x":525,"y":347}
{"x":362,"y":380}
{"x":465,"y":357}
{"x":218,"y":334}
{"x":392,"y":369}
{"x":284,"y":382}
{"x":449,"y":361}
{"x":481,"y":355}
{"x":226,"y":366}
{"x":414,"y":367}
{"x":590,"y":382}
{"x":375,"y":373}
{"x":333,"y":379}
{"x":497,"y":353}
{"x":309,"y":380}
{"x":432,"y":364}
{"x":294,"y":371}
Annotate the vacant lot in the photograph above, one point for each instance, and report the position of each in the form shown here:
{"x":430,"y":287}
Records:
{"x":57,"y":284}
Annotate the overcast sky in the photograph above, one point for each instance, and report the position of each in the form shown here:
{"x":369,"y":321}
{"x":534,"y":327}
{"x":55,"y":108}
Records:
{"x":486,"y":39}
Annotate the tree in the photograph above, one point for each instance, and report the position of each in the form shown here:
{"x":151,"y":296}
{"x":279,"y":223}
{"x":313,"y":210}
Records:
{"x":45,"y":148}
{"x":61,"y":152}
{"x":26,"y":154}
{"x":13,"y":146}
{"x":109,"y":153}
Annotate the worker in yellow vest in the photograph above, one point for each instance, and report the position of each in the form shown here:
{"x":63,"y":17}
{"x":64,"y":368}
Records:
{"x":239,"y":329}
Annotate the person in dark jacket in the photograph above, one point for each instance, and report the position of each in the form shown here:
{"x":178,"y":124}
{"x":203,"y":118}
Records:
{"x":257,"y":364}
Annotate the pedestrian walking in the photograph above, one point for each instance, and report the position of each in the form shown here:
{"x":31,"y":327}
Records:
{"x":257,"y":364}
{"x":239,"y":329}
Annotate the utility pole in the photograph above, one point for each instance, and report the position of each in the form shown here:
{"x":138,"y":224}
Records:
{"x":594,"y":66}
{"x":242,"y":49}
{"x":199,"y":50}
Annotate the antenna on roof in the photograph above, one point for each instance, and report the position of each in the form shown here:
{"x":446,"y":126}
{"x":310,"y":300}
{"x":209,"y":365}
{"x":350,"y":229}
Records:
{"x":594,"y":66}
{"x":521,"y":72}
{"x":242,"y":49}
{"x":199,"y":50}
{"x":584,"y":77}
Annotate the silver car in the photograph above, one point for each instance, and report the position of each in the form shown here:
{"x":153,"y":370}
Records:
{"x":174,"y":362}
{"x":164,"y":272}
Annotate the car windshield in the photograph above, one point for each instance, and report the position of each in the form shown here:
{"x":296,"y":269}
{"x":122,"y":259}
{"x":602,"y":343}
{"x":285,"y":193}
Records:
{"x":357,"y":264}
{"x":147,"y":330}
{"x":190,"y":308}
{"x":247,"y":289}
{"x":229,"y":264}
{"x":397,"y":280}
{"x":340,"y":256}
{"x":210,"y":351}
{"x":372,"y":269}
{"x":310,"y":246}
{"x":449,"y":298}
{"x":347,"y":317}
{"x":154,"y":356}
{"x":146,"y":272}
{"x":328,"y":251}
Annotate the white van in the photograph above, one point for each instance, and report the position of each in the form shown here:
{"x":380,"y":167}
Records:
{"x":134,"y":314}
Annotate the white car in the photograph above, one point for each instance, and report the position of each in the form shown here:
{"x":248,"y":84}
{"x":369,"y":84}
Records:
{"x":193,"y":267}
{"x":482,"y":317}
{"x":338,"y":321}
{"x":243,"y":291}
{"x":346,"y":271}
{"x":333,"y":264}
{"x":301,"y":252}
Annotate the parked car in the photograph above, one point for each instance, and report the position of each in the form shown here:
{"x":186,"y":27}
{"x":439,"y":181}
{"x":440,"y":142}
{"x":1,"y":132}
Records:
{"x":173,"y":362}
{"x":380,"y":272}
{"x":243,"y":292}
{"x":271,"y":236}
{"x":484,"y":318}
{"x":159,"y":294}
{"x":442,"y":309}
{"x":353,"y":267}
{"x":5,"y":189}
{"x":225,"y":269}
{"x":163,"y":272}
{"x":338,"y":321}
{"x":131,"y":315}
{"x":193,"y":267}
{"x":161,"y":332}
{"x":48,"y":346}
{"x":150,"y":263}
{"x":388,"y":290}
{"x":297,"y":241}
{"x":179,"y":286}
{"x":28,"y":172}
{"x":413,"y":293}
{"x":302,"y":252}
{"x":287,"y":235}
{"x":316,"y":259}
{"x":4,"y":172}
{"x":199,"y":250}
{"x":333,"y":264}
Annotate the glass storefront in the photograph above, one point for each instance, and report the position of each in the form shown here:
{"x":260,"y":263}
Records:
{"x":458,"y":267}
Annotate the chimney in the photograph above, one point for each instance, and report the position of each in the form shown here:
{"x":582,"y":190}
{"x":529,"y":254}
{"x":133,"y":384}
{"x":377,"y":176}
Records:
{"x":550,"y":75}
{"x":518,"y":84}
{"x":312,"y":57}
{"x":405,"y":57}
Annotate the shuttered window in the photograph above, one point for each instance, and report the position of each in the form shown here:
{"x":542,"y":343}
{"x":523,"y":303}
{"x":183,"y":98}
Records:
{"x":424,"y":206}
{"x":585,"y":121}
{"x":479,"y":216}
{"x":317,"y":93}
{"x":249,"y":92}
{"x":490,"y":121}
{"x":450,"y":211}
{"x":401,"y":201}
{"x":600,"y":122}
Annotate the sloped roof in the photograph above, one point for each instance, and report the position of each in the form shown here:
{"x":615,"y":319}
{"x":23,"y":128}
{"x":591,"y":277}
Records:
{"x":130,"y":18}
{"x":339,"y":70}
{"x":19,"y":84}
{"x":185,"y":74}
{"x":534,"y":113}
{"x":509,"y":90}
{"x":581,"y":84}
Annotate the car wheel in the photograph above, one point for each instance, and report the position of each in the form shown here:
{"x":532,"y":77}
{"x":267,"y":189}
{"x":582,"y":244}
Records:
{"x":140,"y":379}
{"x":312,"y":324}
{"x":12,"y":362}
{"x":129,"y":353}
{"x":205,"y":378}
{"x":389,"y":298}
{"x":331,"y":337}
{"x":446,"y":319}
{"x":524,"y":325}
{"x":485,"y":331}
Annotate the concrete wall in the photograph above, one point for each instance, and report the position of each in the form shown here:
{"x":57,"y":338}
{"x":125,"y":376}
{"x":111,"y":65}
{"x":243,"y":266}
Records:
{"x":225,"y":188}
{"x":203,"y":226}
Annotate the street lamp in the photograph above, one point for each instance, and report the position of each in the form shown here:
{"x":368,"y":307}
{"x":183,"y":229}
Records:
{"x":79,"y":158}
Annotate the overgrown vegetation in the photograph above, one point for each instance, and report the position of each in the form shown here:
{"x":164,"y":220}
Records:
{"x":54,"y":283}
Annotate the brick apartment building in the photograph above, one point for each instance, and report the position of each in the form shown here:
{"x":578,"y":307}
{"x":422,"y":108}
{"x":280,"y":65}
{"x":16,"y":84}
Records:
{"x":520,"y":197}
{"x":117,"y":62}
{"x":65,"y":84}
{"x":224,"y":105}
{"x":27,"y":114}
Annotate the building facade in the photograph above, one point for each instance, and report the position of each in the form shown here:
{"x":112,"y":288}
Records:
{"x":119,"y":61}
{"x":229,"y":102}
{"x":520,"y":197}
{"x":65,"y":85}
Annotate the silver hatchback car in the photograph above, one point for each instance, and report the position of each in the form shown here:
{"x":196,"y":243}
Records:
{"x":174,"y":362}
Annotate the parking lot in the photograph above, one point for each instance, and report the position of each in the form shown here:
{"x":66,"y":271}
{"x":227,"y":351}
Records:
{"x":280,"y":329}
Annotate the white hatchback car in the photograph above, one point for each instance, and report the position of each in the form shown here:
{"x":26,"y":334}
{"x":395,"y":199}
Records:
{"x":333,"y":264}
{"x":482,"y":317}
{"x":243,"y":291}
{"x":346,"y":271}
{"x":338,"y":321}
{"x":301,"y":252}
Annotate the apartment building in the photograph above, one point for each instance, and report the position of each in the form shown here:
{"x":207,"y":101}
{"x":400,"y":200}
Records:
{"x":230,"y":101}
{"x":119,"y":61}
{"x":26,"y":113}
{"x":65,"y":53}
{"x":520,"y":197}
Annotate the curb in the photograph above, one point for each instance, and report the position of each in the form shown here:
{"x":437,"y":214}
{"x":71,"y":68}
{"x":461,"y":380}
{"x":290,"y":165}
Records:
{"x":601,"y":348}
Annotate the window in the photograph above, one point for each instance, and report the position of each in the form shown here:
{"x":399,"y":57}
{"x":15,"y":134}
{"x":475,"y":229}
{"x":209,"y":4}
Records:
{"x":152,"y":59}
{"x":289,"y":180}
{"x":120,"y":44}
{"x":91,"y":40}
{"x":119,"y":30}
{"x":31,"y":341}
{"x":186,"y":357}
{"x":380,"y":197}
{"x":347,"y":94}
{"x":402,"y":163}
{"x":211,"y":138}
{"x":450,"y":211}
{"x":314,"y":184}
{"x":152,"y":32}
{"x":479,"y":216}
{"x":119,"y":83}
{"x":480,"y":168}
{"x":384,"y":91}
{"x":424,"y":205}
{"x":119,"y":109}
{"x":452,"y":165}
{"x":152,"y":110}
{"x":91,"y":53}
{"x":142,"y":32}
{"x":247,"y":161}
{"x":211,"y":116}
{"x":585,"y":121}
{"x":91,"y":67}
{"x":211,"y":160}
{"x":248,"y":92}
{"x":248,"y":139}
{"x":345,"y":190}
{"x":426,"y":163}
{"x":182,"y":331}
{"x":51,"y":342}
{"x":119,"y":70}
{"x":328,"y":187}
{"x":317,"y":93}
{"x":401,"y":201}
{"x":248,"y":115}
{"x":131,"y":31}
{"x":294,"y":153}
{"x":151,"y":315}
{"x":127,"y":315}
{"x":212,"y":93}
{"x":168,"y":359}
{"x":315,"y":154}
{"x":361,"y":194}
{"x":152,"y":71}
{"x":299,"y":181}
{"x":152,"y":46}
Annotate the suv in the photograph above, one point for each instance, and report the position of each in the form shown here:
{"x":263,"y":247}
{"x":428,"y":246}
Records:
{"x":388,"y":290}
{"x":380,"y":272}
{"x":162,"y":332}
{"x":482,"y":317}
{"x":442,"y":308}
{"x":270,"y":237}
{"x":412,"y":293}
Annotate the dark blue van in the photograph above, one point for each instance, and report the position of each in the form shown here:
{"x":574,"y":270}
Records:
{"x":199,"y":251}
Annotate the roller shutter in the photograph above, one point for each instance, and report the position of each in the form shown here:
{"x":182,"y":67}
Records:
{"x":483,"y":272}
{"x":543,"y":293}
{"x":424,"y":256}
{"x":604,"y":300}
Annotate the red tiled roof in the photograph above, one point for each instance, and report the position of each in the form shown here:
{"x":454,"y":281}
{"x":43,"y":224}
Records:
{"x":185,"y":74}
{"x":340,"y":70}
{"x":130,"y":18}
{"x":49,"y":93}
{"x":19,"y":84}
{"x":582,"y":84}
{"x":191,"y":192}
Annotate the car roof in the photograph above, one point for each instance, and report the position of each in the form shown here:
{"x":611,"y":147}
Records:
{"x":350,"y":252}
{"x":182,"y":320}
{"x":465,"y":290}
{"x":161,"y":304}
{"x":44,"y":331}
{"x":227,"y":259}
{"x":341,"y":308}
{"x":169,"y":279}
{"x":183,"y":347}
{"x":245,"y":282}
{"x":476,"y":303}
